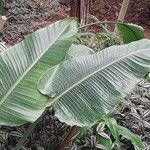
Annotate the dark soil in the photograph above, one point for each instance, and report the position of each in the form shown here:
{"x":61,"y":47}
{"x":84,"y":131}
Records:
{"x":25,"y":17}
{"x":138,"y":12}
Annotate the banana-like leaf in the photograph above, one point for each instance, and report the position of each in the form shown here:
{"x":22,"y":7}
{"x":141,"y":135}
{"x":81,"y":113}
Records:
{"x":2,"y":47}
{"x":130,"y":32}
{"x":83,"y":89}
{"x":78,"y":51}
{"x":23,"y":64}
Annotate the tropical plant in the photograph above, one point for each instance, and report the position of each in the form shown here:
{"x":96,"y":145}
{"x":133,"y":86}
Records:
{"x":118,"y":132}
{"x":82,"y":89}
{"x":126,"y":33}
{"x":86,"y":88}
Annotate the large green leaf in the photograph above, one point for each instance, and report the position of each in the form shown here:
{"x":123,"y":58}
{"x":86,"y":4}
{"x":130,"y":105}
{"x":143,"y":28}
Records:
{"x":130,"y":32}
{"x":83,"y":89}
{"x":78,"y":51}
{"x":23,"y":64}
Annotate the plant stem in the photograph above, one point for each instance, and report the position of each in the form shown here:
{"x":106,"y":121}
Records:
{"x":73,"y":131}
{"x":122,"y":12}
{"x":96,"y":23}
{"x":29,"y":132}
{"x":75,"y":9}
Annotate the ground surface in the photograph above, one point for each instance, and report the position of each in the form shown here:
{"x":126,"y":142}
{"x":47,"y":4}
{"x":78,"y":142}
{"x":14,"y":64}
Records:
{"x":26,"y":16}
{"x":138,"y":12}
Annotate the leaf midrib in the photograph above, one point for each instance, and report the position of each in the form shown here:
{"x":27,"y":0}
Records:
{"x":31,"y":66}
{"x":82,"y":80}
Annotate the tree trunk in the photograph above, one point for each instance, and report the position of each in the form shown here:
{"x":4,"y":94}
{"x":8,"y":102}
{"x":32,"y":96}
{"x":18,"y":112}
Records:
{"x":81,"y":10}
{"x":85,"y":11}
{"x":122,"y":13}
{"x":75,"y":9}
{"x":123,"y":10}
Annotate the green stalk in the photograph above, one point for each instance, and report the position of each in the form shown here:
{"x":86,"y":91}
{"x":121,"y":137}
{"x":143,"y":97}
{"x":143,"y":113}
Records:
{"x":97,"y":23}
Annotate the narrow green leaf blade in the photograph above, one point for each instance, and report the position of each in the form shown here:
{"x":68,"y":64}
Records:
{"x":107,"y":143}
{"x":113,"y":127}
{"x":135,"y":139}
{"x":28,"y":133}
